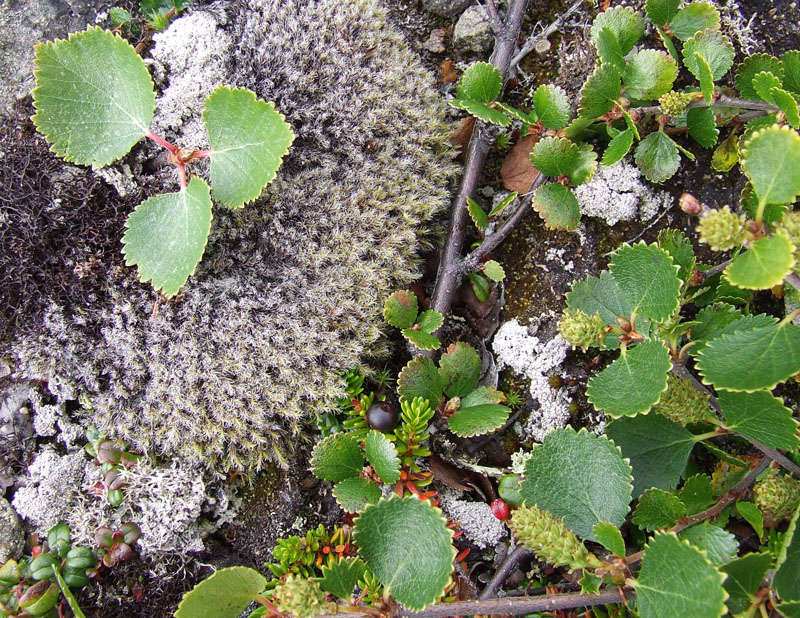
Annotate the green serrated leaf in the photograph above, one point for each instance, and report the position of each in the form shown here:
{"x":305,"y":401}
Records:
{"x":787,"y":565}
{"x":657,"y":156}
{"x":727,"y":154}
{"x":415,"y":571}
{"x":382,"y":457}
{"x":609,"y":50}
{"x":400,"y":309}
{"x":477,"y":214}
{"x":430,"y":321}
{"x":340,"y":578}
{"x":166,"y":235}
{"x":118,"y":16}
{"x":337,"y":457}
{"x":478,"y":420}
{"x":679,"y":248}
{"x":600,"y":92}
{"x":480,"y":286}
{"x":771,"y":160}
{"x":482,"y":395}
{"x":658,"y":509}
{"x":711,"y":322}
{"x":529,"y":118}
{"x":763,"y":83}
{"x":790,"y":61}
{"x":693,"y":18}
{"x":790,"y":609}
{"x":752,"y":515}
{"x":609,"y":536}
{"x":502,"y":205}
{"x":460,"y":369}
{"x":617,"y":148}
{"x":669,"y":45}
{"x":557,"y":206}
{"x":750,"y":67}
{"x":760,"y":416}
{"x":494,"y":271}
{"x":555,"y":156}
{"x":788,"y":105}
{"x":720,"y":545}
{"x":744,"y":579}
{"x":354,"y":494}
{"x":248,"y":138}
{"x":580,"y":478}
{"x":420,"y":378}
{"x":697,"y":494}
{"x":421,"y":339}
{"x":600,"y":295}
{"x":727,"y":362}
{"x":482,"y":111}
{"x":677,"y":579}
{"x":713,"y":47}
{"x":763,"y":265}
{"x":705,"y":77}
{"x":648,"y":279}
{"x":480,"y":82}
{"x":626,"y":25}
{"x":225,"y":594}
{"x":657,"y":448}
{"x":648,"y":74}
{"x":661,"y":12}
{"x":702,"y":126}
{"x":552,"y":106}
{"x":88,"y":117}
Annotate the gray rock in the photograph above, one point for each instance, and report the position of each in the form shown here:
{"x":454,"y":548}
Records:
{"x":446,"y":8}
{"x":473,"y":33}
{"x":12,"y":537}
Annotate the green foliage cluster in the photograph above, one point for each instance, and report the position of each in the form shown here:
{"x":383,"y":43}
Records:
{"x":155,"y":15}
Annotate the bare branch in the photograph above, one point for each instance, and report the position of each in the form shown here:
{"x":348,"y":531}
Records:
{"x":519,"y":554}
{"x":530,"y":44}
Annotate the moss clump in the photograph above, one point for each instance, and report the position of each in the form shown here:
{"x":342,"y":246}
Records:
{"x":291,"y":287}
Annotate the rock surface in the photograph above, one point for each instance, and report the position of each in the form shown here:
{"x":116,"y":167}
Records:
{"x":473,"y":33}
{"x":446,"y":8}
{"x":12,"y":538}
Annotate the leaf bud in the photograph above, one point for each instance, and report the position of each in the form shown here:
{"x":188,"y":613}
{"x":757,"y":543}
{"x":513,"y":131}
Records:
{"x":777,"y":496}
{"x":722,"y":229}
{"x":581,"y":329}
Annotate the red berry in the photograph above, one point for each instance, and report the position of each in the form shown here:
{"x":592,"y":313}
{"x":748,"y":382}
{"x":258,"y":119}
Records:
{"x":500,"y":509}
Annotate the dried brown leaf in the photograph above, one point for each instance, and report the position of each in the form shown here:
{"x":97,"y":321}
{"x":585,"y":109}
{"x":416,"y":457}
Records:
{"x":517,"y":171}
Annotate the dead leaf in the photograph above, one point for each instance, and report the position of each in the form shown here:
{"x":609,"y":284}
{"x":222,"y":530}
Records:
{"x":450,"y":475}
{"x":449,"y":72}
{"x":463,"y":132}
{"x":517,"y":172}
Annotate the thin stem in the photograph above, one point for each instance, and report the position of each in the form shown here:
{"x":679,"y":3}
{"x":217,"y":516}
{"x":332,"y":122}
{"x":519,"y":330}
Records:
{"x":707,"y":274}
{"x":71,"y":600}
{"x":182,"y":175}
{"x":162,"y":142}
{"x":494,"y":17}
{"x":519,"y":554}
{"x":530,"y":44}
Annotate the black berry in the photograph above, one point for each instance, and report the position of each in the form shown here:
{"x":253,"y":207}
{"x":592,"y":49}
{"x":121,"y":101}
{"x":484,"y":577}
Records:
{"x":382,"y":416}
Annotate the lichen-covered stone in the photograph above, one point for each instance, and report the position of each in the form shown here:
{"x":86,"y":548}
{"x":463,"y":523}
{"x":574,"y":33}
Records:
{"x":290,"y":289}
{"x":12,"y":537}
{"x":473,"y":32}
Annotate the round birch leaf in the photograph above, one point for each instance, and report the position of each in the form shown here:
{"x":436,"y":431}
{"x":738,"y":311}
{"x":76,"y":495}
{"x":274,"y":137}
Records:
{"x":480,"y":286}
{"x":579,"y":477}
{"x":763,"y":83}
{"x":750,"y":67}
{"x":727,"y":154}
{"x":790,"y":62}
{"x":749,"y":204}
{"x":480,"y":82}
{"x":517,"y":114}
{"x":657,"y":448}
{"x":600,"y":295}
{"x":609,"y":536}
{"x":555,"y":156}
{"x":788,"y":105}
{"x":760,"y":416}
{"x":94,"y":98}
{"x":789,"y":609}
{"x":697,"y":493}
{"x":720,"y":545}
{"x":764,"y":265}
{"x":355,"y":493}
{"x":771,"y":160}
{"x":677,"y":579}
{"x":703,"y":126}
{"x":460,"y":369}
{"x":705,"y":77}
{"x":248,"y":138}
{"x":400,"y":309}
{"x":494,"y":271}
{"x":787,"y":564}
{"x":408,"y":547}
{"x":225,"y":594}
{"x":609,"y":50}
{"x":658,"y":509}
{"x":727,"y":362}
{"x":478,"y":420}
{"x":710,"y":323}
{"x":626,"y":25}
{"x":383,"y":457}
{"x":557,"y":206}
{"x":648,"y":278}
{"x":482,"y":395}
{"x":661,"y":12}
{"x":420,"y":378}
{"x":693,"y":18}
{"x":657,"y":156}
{"x":679,"y":248}
{"x":633,"y":383}
{"x":552,"y":106}
{"x":617,"y":148}
{"x":586,"y":166}
{"x":477,"y":214}
{"x":714,"y":47}
{"x":165,"y":236}
{"x":744,"y":579}
{"x":649,"y":74}
{"x":340,"y":578}
{"x":337,"y":457}
{"x":430,"y":321}
{"x":752,"y":515}
{"x":421,"y":339}
{"x":483,"y":111}
{"x":600,"y":92}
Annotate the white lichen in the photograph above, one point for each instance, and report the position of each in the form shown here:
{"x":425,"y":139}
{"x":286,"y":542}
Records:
{"x":517,"y":347}
{"x":475,"y":519}
{"x":617,"y":193}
